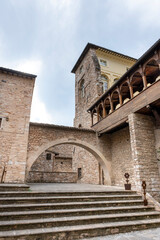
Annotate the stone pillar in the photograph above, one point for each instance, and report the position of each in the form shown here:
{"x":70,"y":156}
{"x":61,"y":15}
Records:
{"x":143,"y":153}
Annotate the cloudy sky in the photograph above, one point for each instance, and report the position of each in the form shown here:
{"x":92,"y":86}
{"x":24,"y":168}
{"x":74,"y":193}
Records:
{"x":46,"y":37}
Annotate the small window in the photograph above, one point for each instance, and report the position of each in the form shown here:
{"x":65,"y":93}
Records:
{"x":103,"y":62}
{"x":48,"y":156}
{"x":81,"y":69}
{"x":82,"y":89}
{"x":0,"y":122}
{"x":79,"y":173}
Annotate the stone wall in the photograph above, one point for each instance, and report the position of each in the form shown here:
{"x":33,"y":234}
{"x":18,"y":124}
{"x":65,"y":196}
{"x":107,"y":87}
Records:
{"x":52,"y":177}
{"x":90,"y":74}
{"x":157,"y":137}
{"x":45,"y":136}
{"x":121,"y":157}
{"x":88,"y":164}
{"x":15,"y":98}
{"x":144,"y":153}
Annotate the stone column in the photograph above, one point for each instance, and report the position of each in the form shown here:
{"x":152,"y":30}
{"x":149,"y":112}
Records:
{"x":143,"y":153}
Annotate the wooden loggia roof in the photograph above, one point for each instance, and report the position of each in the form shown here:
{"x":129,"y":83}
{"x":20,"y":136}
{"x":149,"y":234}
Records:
{"x":93,"y":46}
{"x":140,"y":61}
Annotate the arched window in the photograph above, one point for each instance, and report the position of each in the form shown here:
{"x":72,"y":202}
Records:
{"x":82,"y":89}
{"x":104,"y":81}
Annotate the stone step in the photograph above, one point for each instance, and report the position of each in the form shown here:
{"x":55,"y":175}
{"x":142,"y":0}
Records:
{"x":64,"y":199}
{"x":9,"y":187}
{"x":72,"y":212}
{"x":74,"y":193}
{"x":69,"y":221}
{"x":70,"y":205}
{"x":79,"y":231}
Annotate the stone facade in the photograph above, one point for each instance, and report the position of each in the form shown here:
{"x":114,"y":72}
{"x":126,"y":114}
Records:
{"x":88,"y":88}
{"x":144,"y":153}
{"x":45,"y":136}
{"x":121,"y":157}
{"x":16,"y":91}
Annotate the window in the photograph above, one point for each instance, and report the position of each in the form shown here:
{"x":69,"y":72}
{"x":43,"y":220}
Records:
{"x":103,"y":62}
{"x":82,"y":89}
{"x":104,"y":83}
{"x":48,"y":156}
{"x":0,"y":122}
{"x":79,"y":173}
{"x":81,"y":69}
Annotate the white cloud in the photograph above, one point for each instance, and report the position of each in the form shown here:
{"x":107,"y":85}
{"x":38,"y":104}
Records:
{"x":33,"y":66}
{"x":39,"y":112}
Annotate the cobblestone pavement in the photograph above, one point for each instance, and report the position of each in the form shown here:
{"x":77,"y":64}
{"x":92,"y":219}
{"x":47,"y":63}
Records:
{"x":151,"y":234}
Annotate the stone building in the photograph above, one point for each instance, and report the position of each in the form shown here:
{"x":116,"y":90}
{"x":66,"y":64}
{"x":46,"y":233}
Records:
{"x":96,"y":70}
{"x":116,"y":126}
{"x":16,"y":89}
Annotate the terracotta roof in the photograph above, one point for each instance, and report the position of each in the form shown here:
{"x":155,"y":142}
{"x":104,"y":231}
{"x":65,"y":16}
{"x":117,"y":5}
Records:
{"x":93,"y":46}
{"x":17,"y":73}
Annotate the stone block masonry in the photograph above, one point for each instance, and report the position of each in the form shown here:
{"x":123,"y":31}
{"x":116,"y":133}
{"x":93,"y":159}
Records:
{"x":16,"y":91}
{"x":144,"y":153}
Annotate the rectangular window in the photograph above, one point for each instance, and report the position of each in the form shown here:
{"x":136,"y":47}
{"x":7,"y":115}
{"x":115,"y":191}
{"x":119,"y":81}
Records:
{"x":0,"y":122}
{"x":103,"y":62}
{"x":79,"y":173}
{"x":48,"y":156}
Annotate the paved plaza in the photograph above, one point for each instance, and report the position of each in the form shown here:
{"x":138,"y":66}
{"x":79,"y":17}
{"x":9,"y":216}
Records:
{"x":69,"y":187}
{"x":151,"y":234}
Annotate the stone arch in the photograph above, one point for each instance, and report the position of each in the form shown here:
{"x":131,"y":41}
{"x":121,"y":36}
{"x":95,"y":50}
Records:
{"x":106,"y":166}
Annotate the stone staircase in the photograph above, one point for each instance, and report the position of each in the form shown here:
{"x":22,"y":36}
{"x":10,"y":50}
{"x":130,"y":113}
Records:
{"x":72,"y":215}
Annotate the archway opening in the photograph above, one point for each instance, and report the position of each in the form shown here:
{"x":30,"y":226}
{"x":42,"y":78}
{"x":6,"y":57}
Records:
{"x":81,"y":152}
{"x":107,"y":106}
{"x":137,"y":83}
{"x":151,"y":72}
{"x":115,"y":99}
{"x":125,"y":92}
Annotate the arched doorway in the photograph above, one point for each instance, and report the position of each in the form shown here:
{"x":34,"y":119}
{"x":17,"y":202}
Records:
{"x":106,"y":165}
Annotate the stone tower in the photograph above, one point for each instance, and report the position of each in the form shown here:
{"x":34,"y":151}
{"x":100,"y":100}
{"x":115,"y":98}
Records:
{"x":95,"y":71}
